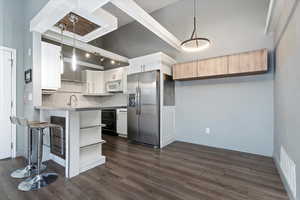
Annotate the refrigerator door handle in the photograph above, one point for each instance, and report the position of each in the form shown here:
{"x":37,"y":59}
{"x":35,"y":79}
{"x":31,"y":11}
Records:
{"x":140,"y":105}
{"x":137,"y":101}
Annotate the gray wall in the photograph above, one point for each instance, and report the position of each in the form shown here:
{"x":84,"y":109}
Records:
{"x":238,"y":110}
{"x":12,"y":36}
{"x":31,"y":8}
{"x":287,"y":95}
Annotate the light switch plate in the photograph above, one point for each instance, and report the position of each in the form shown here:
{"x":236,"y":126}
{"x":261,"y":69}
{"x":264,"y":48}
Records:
{"x":207,"y":131}
{"x":30,"y":97}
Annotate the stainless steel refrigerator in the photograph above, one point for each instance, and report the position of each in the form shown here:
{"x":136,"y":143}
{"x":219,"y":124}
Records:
{"x":144,"y":107}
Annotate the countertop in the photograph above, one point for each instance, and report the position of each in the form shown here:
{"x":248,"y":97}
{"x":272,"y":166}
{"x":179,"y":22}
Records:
{"x":78,"y":108}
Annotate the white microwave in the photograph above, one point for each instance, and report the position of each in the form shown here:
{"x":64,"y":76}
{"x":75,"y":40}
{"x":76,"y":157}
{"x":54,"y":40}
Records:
{"x":114,"y":86}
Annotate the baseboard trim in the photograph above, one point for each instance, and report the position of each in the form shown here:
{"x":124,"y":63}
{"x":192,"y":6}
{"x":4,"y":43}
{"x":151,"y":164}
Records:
{"x":171,"y":140}
{"x":285,"y":184}
{"x":94,"y":163}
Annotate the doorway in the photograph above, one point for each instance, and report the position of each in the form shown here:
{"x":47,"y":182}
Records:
{"x":7,"y":102}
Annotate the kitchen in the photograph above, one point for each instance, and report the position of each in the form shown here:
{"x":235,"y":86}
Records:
{"x":132,"y":99}
{"x":91,"y":101}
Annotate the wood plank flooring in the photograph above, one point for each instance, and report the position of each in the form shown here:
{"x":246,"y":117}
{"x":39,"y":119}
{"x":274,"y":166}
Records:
{"x":181,"y":171}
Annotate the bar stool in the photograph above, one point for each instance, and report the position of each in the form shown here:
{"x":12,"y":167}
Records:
{"x":40,"y":179}
{"x":30,"y":168}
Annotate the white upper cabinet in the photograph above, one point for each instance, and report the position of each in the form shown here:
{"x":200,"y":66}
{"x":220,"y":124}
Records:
{"x":156,"y":61}
{"x":114,"y":74}
{"x":51,"y":69}
{"x":118,"y":74}
{"x":94,"y":81}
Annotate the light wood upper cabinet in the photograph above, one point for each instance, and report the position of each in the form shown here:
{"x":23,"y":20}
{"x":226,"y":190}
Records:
{"x":250,"y":62}
{"x":253,"y":62}
{"x":185,"y":70}
{"x":213,"y":67}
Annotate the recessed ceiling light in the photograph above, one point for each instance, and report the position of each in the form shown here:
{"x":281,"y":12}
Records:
{"x":87,"y":55}
{"x":112,"y":62}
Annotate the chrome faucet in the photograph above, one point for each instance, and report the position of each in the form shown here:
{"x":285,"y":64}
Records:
{"x":70,"y":100}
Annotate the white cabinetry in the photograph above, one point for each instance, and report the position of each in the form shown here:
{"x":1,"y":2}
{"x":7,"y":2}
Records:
{"x":122,"y":122}
{"x":90,"y":140}
{"x":156,"y":61}
{"x":51,"y":69}
{"x":119,"y":74}
{"x":114,"y":74}
{"x":94,"y":81}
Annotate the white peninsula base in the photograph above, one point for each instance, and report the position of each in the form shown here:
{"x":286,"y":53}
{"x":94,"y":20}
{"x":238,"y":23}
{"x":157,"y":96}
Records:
{"x":83,"y":138}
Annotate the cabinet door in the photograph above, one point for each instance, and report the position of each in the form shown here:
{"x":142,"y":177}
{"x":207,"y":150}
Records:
{"x":124,"y":79}
{"x":98,"y":81}
{"x":213,"y":67}
{"x":50,"y":60}
{"x":185,"y":71}
{"x":133,"y":69}
{"x":122,"y":121}
{"x":255,"y":61}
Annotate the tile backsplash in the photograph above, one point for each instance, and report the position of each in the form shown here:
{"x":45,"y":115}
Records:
{"x":61,"y":97}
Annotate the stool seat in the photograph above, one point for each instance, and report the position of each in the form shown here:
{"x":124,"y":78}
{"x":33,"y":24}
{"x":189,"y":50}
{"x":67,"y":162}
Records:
{"x":39,"y":180}
{"x":37,"y":125}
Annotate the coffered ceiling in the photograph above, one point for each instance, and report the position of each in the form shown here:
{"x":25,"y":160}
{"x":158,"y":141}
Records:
{"x":148,"y":5}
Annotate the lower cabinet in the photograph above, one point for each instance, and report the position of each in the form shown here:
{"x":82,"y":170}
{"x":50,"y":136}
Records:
{"x":122,"y":122}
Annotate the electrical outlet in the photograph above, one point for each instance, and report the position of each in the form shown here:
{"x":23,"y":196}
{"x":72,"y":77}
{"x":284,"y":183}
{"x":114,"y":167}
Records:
{"x":207,"y":131}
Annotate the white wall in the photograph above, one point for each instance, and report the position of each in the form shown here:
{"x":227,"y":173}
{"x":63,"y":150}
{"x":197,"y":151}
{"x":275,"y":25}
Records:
{"x":287,"y":95}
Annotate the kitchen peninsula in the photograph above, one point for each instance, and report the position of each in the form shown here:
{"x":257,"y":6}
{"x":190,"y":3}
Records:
{"x":83,"y":138}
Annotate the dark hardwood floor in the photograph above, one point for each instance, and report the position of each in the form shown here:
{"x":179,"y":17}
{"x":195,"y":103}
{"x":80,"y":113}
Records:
{"x":180,"y":171}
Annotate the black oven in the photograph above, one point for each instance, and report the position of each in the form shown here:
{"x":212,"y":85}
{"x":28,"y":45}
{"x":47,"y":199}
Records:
{"x":109,"y":118}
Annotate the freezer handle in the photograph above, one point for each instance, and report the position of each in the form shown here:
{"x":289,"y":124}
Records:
{"x":140,"y":104}
{"x":137,"y":101}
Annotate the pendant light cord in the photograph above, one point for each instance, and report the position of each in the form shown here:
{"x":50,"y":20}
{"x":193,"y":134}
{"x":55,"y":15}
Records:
{"x":194,"y":34}
{"x":195,"y":22}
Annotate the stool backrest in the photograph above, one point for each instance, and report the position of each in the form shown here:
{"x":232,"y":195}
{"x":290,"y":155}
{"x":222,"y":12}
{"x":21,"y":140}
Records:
{"x":19,"y":121}
{"x":13,"y":120}
{"x":23,"y":122}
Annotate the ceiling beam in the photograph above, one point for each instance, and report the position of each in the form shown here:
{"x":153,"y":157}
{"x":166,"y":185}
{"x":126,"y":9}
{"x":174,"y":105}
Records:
{"x":270,"y":10}
{"x":280,"y":15}
{"x":140,"y":15}
{"x":84,"y":46}
{"x":55,"y":10}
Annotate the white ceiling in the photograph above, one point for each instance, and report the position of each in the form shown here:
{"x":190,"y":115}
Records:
{"x":148,"y":5}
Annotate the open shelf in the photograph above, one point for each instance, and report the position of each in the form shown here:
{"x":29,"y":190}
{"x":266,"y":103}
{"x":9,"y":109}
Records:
{"x":73,"y":81}
{"x":98,"y":94}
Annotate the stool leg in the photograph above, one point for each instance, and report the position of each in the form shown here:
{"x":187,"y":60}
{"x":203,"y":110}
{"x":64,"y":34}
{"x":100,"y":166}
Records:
{"x":39,"y":180}
{"x":28,"y":170}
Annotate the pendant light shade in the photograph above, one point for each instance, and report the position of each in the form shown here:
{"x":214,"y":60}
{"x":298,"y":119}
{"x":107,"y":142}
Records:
{"x":195,"y":43}
{"x":62,"y":28}
{"x":74,"y":19}
{"x":74,"y":60}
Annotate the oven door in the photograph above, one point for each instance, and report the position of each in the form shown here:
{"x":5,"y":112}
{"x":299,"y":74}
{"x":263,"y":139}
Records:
{"x":109,"y":118}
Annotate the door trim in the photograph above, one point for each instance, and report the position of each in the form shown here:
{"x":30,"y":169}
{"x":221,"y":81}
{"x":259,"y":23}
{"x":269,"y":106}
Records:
{"x":14,"y":95}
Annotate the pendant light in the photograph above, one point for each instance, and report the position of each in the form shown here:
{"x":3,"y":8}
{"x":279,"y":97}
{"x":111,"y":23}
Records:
{"x":62,"y":28}
{"x":195,"y":43}
{"x":74,"y":19}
